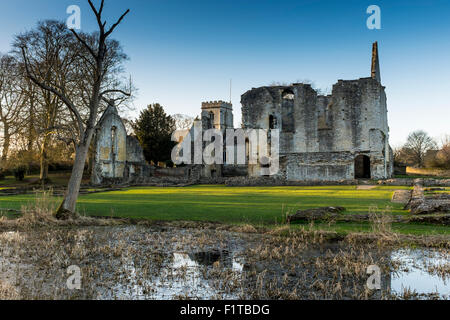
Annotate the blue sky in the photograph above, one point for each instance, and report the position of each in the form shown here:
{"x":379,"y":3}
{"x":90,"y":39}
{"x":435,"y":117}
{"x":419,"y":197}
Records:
{"x":185,"y":52}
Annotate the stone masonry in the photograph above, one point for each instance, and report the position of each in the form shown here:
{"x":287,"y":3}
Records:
{"x":118,"y":158}
{"x":340,"y":136}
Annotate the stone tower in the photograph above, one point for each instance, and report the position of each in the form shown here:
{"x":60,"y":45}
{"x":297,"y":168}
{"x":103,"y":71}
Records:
{"x":217,"y":115}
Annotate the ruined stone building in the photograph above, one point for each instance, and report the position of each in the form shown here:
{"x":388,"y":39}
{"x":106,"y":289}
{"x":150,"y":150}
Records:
{"x":117,"y":157}
{"x":344,"y":135}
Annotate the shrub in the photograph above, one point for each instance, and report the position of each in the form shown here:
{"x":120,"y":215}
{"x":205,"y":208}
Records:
{"x":19,"y":173}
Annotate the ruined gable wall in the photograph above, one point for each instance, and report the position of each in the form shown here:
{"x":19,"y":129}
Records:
{"x":297,"y":118}
{"x":110,"y":156}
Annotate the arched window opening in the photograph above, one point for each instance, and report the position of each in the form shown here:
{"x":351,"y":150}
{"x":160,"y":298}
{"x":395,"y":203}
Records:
{"x":113,"y":139}
{"x":287,"y":111}
{"x":247,"y":150}
{"x":211,"y":120}
{"x":288,"y":94}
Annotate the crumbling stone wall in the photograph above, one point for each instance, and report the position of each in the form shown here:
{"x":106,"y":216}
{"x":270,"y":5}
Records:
{"x":322,"y":136}
{"x":136,"y":165}
{"x":118,"y":158}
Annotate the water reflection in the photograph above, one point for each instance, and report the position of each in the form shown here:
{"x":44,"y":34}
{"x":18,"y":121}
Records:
{"x":133,"y":263}
{"x":413,"y":272}
{"x":185,"y":276}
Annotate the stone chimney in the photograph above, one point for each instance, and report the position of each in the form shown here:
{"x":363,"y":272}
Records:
{"x":375,"y":63}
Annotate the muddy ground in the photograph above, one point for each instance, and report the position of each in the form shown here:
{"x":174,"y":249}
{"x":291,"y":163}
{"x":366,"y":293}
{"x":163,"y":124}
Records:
{"x":171,"y":262}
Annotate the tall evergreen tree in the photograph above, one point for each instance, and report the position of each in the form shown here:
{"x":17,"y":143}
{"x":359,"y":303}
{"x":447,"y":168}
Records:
{"x":154,"y":130}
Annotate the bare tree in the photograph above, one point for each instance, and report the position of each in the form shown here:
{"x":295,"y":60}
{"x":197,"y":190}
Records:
{"x":418,"y":143}
{"x":444,"y":154}
{"x":96,"y":59}
{"x":49,"y":53}
{"x":11,"y":100}
{"x":397,"y":153}
{"x":183,"y":122}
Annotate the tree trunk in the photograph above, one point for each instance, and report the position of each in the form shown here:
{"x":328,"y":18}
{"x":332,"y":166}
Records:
{"x":43,"y":177}
{"x":6,"y":142}
{"x":31,"y":122}
{"x":68,"y":207}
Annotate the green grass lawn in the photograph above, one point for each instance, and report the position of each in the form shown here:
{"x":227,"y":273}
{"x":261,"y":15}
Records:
{"x":434,"y":192}
{"x":221,"y":203}
{"x":232,"y":204}
{"x":236,"y":205}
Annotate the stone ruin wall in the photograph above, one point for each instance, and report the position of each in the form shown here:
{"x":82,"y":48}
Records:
{"x":110,"y":149}
{"x":118,"y":158}
{"x":320,"y":136}
{"x":337,"y":137}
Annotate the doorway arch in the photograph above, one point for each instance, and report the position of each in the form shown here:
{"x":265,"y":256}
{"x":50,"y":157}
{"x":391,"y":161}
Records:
{"x":362,"y":167}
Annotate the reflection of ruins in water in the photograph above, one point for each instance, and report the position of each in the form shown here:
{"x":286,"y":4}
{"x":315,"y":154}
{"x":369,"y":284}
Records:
{"x":410,"y":272}
{"x":209,"y":258}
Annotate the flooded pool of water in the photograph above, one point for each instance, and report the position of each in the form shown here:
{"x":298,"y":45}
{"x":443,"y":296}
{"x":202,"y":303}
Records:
{"x":416,"y":272}
{"x":184,"y":276}
{"x":173,"y":263}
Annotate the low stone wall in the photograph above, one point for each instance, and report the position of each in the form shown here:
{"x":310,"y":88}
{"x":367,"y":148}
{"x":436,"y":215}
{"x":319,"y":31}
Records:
{"x":412,"y":182}
{"x":273,"y":181}
{"x":397,"y":182}
{"x":268,"y":181}
{"x":421,"y":204}
{"x":436,"y":182}
{"x":181,"y":172}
